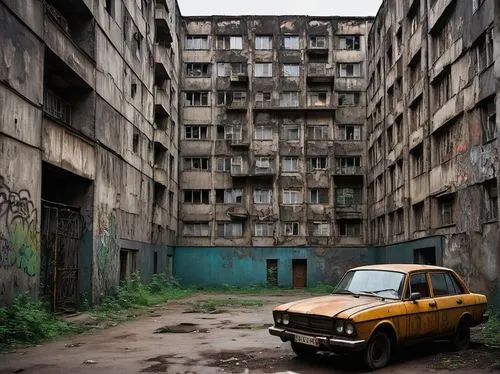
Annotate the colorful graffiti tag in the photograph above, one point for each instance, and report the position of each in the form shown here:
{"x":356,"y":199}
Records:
{"x":20,"y":243}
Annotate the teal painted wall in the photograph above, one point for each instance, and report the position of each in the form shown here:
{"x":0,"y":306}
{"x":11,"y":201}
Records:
{"x":403,"y":253}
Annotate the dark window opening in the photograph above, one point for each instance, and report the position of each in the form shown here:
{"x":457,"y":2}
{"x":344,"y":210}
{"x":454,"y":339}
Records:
{"x":272,"y":273}
{"x":425,"y":256}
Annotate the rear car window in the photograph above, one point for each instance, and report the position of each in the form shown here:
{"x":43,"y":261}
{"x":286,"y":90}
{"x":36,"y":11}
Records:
{"x":418,"y":283}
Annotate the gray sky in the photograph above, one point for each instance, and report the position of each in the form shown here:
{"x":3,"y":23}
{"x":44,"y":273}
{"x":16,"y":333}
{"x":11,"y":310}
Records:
{"x":277,"y":7}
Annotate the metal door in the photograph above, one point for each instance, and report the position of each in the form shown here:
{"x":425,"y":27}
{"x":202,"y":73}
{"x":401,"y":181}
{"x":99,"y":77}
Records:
{"x":299,"y":273}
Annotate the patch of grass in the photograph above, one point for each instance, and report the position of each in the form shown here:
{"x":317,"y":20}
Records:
{"x":316,"y":288}
{"x":321,"y":289}
{"x":207,"y":306}
{"x":26,"y":321}
{"x":490,"y":333}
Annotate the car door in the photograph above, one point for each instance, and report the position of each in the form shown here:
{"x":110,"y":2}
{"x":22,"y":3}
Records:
{"x":450,"y":300}
{"x":422,"y":314}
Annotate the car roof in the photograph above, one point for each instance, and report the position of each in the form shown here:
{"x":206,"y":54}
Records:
{"x":403,"y":268}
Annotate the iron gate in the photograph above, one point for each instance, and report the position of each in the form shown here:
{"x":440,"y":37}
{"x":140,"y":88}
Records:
{"x":61,"y":232}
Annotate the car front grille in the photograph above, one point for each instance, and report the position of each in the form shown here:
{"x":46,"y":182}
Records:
{"x":322,"y":325}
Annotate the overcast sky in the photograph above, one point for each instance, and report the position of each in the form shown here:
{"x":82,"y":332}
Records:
{"x":277,"y":7}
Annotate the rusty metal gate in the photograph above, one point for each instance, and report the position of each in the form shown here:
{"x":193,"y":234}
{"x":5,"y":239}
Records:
{"x":61,"y":232}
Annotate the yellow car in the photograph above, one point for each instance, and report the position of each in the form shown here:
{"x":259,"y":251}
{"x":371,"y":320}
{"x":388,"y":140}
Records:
{"x":375,"y":308}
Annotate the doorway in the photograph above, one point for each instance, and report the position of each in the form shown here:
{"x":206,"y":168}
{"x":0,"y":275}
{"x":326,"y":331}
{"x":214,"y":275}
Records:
{"x":272,"y":273}
{"x":299,"y":267}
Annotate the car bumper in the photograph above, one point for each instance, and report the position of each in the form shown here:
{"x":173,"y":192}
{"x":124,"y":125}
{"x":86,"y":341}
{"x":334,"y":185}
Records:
{"x":324,"y":342}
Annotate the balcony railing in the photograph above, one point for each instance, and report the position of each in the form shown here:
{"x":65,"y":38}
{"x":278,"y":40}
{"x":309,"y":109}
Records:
{"x":56,"y":107}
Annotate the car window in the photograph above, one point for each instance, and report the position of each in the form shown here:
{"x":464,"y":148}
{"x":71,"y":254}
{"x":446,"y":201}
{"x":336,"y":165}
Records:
{"x":453,"y":284}
{"x":418,"y":283}
{"x":441,"y":285}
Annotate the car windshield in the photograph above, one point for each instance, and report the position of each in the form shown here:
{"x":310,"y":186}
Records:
{"x":387,"y":284}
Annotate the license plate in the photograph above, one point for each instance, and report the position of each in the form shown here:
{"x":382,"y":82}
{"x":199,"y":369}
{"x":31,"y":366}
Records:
{"x":308,"y":340}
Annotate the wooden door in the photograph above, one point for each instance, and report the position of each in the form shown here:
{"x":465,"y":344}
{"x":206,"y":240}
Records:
{"x":299,"y":273}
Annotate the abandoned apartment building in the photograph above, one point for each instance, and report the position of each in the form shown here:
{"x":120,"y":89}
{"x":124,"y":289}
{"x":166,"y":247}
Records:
{"x":244,"y":150}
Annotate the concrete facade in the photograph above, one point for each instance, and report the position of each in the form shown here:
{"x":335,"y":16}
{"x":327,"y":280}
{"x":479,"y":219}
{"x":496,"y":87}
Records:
{"x":432,"y":143}
{"x":88,"y":144}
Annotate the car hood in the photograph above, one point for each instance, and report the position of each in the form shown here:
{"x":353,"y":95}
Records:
{"x":332,"y":305}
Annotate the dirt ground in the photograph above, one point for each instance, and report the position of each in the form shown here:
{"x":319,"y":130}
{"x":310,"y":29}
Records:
{"x":225,"y":340}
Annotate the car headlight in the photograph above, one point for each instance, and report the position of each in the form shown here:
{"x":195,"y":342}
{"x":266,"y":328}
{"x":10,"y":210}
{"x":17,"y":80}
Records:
{"x":339,"y":327}
{"x":349,"y":329}
{"x":277,"y":317}
{"x":286,"y":319}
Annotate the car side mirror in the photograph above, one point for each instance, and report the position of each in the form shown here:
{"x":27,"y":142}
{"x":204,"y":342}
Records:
{"x":415,"y":296}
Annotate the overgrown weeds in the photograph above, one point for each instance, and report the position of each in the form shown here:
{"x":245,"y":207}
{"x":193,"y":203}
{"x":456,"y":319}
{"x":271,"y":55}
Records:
{"x":490,"y":333}
{"x":215,"y":305}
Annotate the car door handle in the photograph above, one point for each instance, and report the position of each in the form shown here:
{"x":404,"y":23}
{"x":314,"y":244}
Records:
{"x":459,"y":301}
{"x":433,"y":304}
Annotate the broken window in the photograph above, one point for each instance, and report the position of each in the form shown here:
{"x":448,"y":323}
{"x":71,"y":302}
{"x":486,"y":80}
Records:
{"x":196,"y":99}
{"x":415,"y":69}
{"x":198,"y":69}
{"x":348,"y":98}
{"x":346,"y":163}
{"x":417,"y":157}
{"x":262,"y":196}
{"x":262,"y":98}
{"x":291,"y":132}
{"x":291,"y":42}
{"x":291,"y":197}
{"x":196,"y":229}
{"x":320,"y":229}
{"x":196,"y":196}
{"x":317,"y":163}
{"x":231,"y":97}
{"x":491,"y":199}
{"x":317,"y":132}
{"x":317,"y":98}
{"x":413,"y":17}
{"x":264,"y":42}
{"x":223,"y":164}
{"x":196,"y":163}
{"x":345,"y":196}
{"x":318,"y":41}
{"x":349,"y":132}
{"x":291,"y":70}
{"x":227,"y":69}
{"x":488,"y":120}
{"x":290,"y":163}
{"x":196,"y":132}
{"x":229,"y":42}
{"x":445,"y":209}
{"x":349,"y":227}
{"x":350,"y":42}
{"x":196,"y":42}
{"x":263,"y":132}
{"x":318,"y":195}
{"x":233,"y":132}
{"x":289,"y":99}
{"x":263,"y":162}
{"x":263,"y":228}
{"x":416,"y":115}
{"x":263,"y":69}
{"x":444,"y":142}
{"x":442,"y":90}
{"x":349,"y":70}
{"x":229,"y":229}
{"x":484,"y":50}
{"x":291,"y":228}
{"x":442,"y":39}
{"x":228,"y":196}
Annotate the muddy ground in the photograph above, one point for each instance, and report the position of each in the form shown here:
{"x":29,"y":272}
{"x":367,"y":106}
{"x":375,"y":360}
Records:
{"x":184,"y":338}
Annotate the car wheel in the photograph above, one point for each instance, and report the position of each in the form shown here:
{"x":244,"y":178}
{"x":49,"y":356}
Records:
{"x":303,"y":350}
{"x":378,"y":351}
{"x":461,"y":338}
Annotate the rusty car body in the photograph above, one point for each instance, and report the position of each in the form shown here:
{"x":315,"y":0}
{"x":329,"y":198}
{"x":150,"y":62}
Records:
{"x":375,"y":308}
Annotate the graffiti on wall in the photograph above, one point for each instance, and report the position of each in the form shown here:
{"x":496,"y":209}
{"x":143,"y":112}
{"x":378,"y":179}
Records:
{"x":20,"y":243}
{"x":107,"y":254}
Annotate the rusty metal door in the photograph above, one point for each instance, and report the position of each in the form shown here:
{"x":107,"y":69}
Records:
{"x":299,"y":273}
{"x":61,"y":232}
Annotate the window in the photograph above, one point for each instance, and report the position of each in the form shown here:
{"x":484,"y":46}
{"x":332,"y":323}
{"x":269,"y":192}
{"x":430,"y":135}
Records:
{"x":263,"y":228}
{"x":262,"y":196}
{"x":289,"y":99}
{"x":56,"y":107}
{"x":417,"y":158}
{"x":228,"y":196}
{"x":291,"y":132}
{"x":345,"y":196}
{"x":196,"y":132}
{"x":488,"y":120}
{"x":231,"y":97}
{"x":196,"y":42}
{"x":318,"y":41}
{"x":229,"y":229}
{"x":399,"y":129}
{"x":290,"y":163}
{"x":263,"y":132}
{"x":198,"y":69}
{"x":262,"y":98}
{"x":416,"y":115}
{"x":418,"y":216}
{"x":317,"y":163}
{"x":196,"y":229}
{"x":415,"y":70}
{"x":443,"y":284}
{"x":318,"y":195}
{"x":442,"y":90}
{"x":229,"y":42}
{"x":291,"y":228}
{"x":390,"y":137}
{"x":135,"y":142}
{"x":196,"y":196}
{"x":263,"y":69}
{"x":349,"y":227}
{"x":291,"y":70}
{"x":442,"y":39}
{"x":320,"y":229}
{"x":232,"y":132}
{"x":223,"y":164}
{"x":349,"y":69}
{"x":196,"y":99}
{"x":444,"y":143}
{"x":418,"y":283}
{"x":398,"y":227}
{"x":319,"y":132}
{"x":413,"y":18}
{"x":291,"y":197}
{"x":263,"y":162}
{"x":350,"y":42}
{"x":445,"y":206}
{"x":348,"y":162}
{"x":349,"y":132}
{"x":264,"y":42}
{"x":491,"y":199}
{"x":110,"y":7}
{"x":196,"y":163}
{"x":236,"y":165}
{"x":291,"y":42}
{"x":348,"y":98}
{"x":317,"y":98}
{"x":227,"y":69}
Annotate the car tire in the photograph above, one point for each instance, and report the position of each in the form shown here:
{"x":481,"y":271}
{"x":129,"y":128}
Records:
{"x":302,"y":350}
{"x":378,"y":351}
{"x":461,"y":337}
